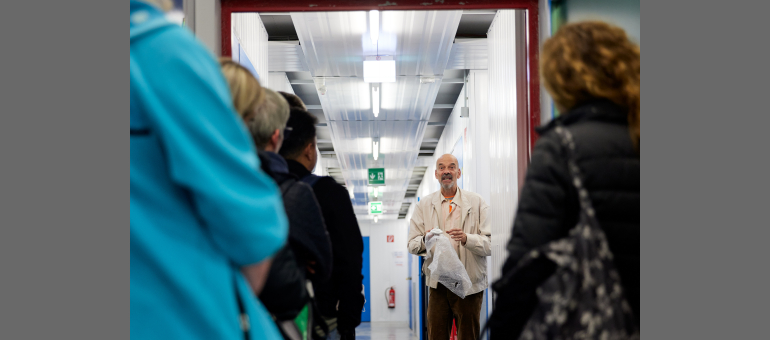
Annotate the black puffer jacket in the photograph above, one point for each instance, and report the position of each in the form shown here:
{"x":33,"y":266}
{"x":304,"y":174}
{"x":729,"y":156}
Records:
{"x":549,"y":208}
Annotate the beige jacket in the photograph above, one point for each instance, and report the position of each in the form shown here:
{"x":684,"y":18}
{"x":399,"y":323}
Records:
{"x":475,"y":224}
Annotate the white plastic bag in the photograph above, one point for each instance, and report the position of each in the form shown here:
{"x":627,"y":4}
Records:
{"x":446,"y":267}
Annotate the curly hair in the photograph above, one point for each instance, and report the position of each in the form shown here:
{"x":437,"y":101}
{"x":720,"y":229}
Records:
{"x":245,"y":90}
{"x":590,"y":60}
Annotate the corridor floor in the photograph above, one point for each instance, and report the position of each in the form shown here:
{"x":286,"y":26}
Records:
{"x":384,"y":331}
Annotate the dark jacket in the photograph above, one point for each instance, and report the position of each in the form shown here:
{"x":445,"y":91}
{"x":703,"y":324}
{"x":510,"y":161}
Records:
{"x":347,"y":248}
{"x":549,"y":208}
{"x":285,"y":294}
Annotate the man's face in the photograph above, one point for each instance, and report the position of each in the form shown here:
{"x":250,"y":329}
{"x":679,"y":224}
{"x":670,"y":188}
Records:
{"x":447,"y":172}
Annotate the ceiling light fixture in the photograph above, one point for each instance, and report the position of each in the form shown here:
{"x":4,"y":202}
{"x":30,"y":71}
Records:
{"x":379,"y":69}
{"x":427,"y":80}
{"x":375,"y":219}
{"x":375,"y":150}
{"x":374,"y":25}
{"x":376,"y":192}
{"x":376,"y":100}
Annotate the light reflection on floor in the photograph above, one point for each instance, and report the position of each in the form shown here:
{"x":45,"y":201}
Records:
{"x":384,"y":331}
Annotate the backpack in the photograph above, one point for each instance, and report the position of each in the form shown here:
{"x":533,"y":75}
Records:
{"x":309,"y":323}
{"x":285,"y":294}
{"x":321,"y":329}
{"x":583,"y":298}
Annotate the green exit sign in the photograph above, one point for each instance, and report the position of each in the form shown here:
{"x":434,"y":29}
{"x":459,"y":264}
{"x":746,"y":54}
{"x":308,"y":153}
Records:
{"x":376,"y":176}
{"x":375,"y":208}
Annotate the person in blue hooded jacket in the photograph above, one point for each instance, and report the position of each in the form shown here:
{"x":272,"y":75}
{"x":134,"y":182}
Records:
{"x":205,"y":220}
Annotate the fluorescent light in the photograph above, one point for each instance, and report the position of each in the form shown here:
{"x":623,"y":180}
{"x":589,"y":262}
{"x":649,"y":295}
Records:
{"x":380,"y":69}
{"x":375,"y":218}
{"x":376,"y":101}
{"x":427,"y":80}
{"x":376,"y":192}
{"x":375,"y":150}
{"x":374,"y":25}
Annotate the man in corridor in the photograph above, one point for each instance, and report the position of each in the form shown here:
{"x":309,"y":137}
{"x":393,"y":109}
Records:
{"x":463,"y":216}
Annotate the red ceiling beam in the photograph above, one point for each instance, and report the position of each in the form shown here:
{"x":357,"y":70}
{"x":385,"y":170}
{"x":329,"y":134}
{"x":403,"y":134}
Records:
{"x":360,"y":5}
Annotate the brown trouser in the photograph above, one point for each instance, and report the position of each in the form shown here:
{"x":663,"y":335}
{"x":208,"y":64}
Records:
{"x":443,"y":305}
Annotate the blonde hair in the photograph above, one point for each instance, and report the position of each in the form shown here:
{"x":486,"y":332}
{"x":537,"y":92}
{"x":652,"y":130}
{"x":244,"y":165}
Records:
{"x":272,"y":115}
{"x":590,"y":60}
{"x":245,"y":90}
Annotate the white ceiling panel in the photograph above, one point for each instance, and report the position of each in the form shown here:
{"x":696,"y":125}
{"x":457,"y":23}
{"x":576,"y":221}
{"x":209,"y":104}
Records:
{"x":350,"y":99}
{"x":470,"y":54}
{"x":399,"y":146}
{"x":335,"y":45}
{"x":285,"y":56}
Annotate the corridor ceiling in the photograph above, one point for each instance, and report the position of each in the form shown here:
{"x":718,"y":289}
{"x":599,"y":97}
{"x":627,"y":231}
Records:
{"x":328,"y":49}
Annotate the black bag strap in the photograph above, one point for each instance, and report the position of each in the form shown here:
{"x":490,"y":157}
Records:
{"x":286,"y":186}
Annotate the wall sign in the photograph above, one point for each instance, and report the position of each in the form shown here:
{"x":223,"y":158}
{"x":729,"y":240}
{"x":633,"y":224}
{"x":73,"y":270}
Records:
{"x":398,"y":257}
{"x":375,"y":207}
{"x":376,"y":176}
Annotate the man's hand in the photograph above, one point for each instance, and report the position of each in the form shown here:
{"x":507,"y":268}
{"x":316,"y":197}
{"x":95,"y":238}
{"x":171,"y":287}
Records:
{"x":428,"y":235}
{"x":457,"y":235}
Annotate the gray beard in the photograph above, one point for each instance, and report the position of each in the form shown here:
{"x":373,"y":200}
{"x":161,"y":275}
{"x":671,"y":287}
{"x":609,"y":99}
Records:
{"x":447,"y":187}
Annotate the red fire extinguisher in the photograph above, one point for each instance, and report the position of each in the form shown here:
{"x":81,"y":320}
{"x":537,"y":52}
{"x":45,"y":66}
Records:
{"x":390,"y":295}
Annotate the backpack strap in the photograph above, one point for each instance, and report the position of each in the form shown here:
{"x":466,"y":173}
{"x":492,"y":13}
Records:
{"x":311,"y":179}
{"x":286,"y":185}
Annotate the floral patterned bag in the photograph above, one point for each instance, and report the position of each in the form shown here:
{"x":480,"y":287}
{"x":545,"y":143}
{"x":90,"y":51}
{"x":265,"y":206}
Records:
{"x":583,"y":298}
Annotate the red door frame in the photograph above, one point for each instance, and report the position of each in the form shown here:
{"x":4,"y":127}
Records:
{"x":230,"y":6}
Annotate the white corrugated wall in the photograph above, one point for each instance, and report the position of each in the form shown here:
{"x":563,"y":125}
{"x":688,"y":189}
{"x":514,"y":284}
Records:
{"x":476,"y":165}
{"x":454,"y":129}
{"x":248,"y":30}
{"x":507,"y":105}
